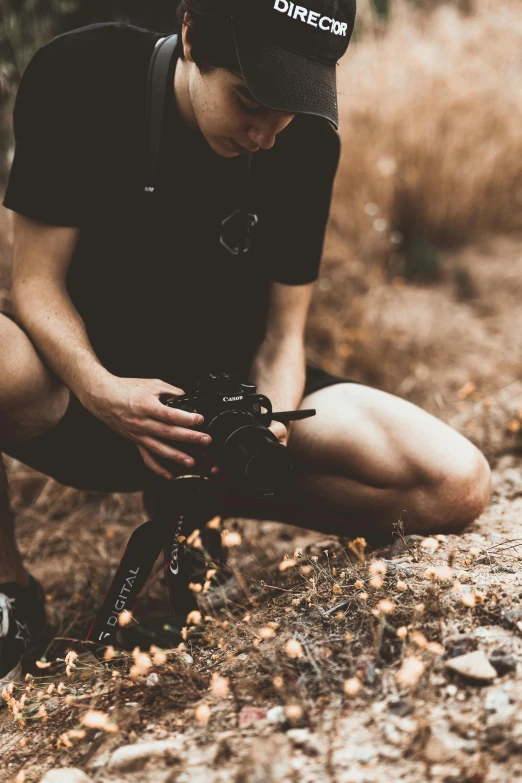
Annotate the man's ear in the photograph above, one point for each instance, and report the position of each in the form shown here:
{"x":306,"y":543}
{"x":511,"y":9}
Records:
{"x":186,"y":38}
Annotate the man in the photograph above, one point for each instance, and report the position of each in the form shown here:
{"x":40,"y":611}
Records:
{"x":121,"y":295}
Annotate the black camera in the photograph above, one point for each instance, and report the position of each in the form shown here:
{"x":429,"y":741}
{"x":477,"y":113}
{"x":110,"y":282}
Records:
{"x":237,"y":420}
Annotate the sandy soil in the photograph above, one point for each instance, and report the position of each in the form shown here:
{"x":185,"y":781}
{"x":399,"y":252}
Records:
{"x":446,"y":727}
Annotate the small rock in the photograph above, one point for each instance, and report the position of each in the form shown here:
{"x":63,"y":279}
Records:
{"x":503,"y":662}
{"x":512,"y":617}
{"x":269,"y":760}
{"x":399,"y":569}
{"x":302,"y":738}
{"x":515,"y":736}
{"x":298,"y":736}
{"x":251,"y":715}
{"x":400,"y":548}
{"x":401,"y":708}
{"x":186,"y":658}
{"x":442,"y":746}
{"x":152,"y":679}
{"x":66,"y":775}
{"x":460,"y":644}
{"x":364,"y":753}
{"x":497,"y":700}
{"x":276,"y":715}
{"x":390,"y":754}
{"x":100,"y":761}
{"x":134,"y":757}
{"x":392,"y":735}
{"x":474,"y":665}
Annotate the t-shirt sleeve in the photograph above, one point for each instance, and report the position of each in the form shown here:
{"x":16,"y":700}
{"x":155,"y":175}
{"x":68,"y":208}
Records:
{"x":50,"y":174}
{"x":300,"y":197}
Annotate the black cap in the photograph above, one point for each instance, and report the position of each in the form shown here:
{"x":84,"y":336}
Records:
{"x":288,"y":52}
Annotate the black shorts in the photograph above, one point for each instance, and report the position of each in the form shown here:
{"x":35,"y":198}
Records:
{"x":83,"y":452}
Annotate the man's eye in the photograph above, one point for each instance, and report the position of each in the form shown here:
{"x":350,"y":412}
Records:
{"x":249,"y":105}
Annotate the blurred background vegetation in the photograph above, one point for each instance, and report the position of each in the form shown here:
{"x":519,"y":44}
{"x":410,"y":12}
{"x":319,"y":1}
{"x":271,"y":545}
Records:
{"x":28,"y":24}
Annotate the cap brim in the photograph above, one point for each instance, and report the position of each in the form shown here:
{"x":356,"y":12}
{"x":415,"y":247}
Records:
{"x":284,"y":80}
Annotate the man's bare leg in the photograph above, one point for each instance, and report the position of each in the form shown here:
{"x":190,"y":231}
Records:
{"x":11,"y":565}
{"x":31,"y":402}
{"x":369,"y":459}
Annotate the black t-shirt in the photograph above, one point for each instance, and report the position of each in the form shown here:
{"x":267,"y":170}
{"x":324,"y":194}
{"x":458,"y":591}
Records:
{"x":159,"y":294}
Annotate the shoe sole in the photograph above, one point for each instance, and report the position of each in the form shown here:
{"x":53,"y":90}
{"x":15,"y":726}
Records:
{"x":15,"y":675}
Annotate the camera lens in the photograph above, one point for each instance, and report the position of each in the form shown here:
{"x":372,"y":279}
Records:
{"x":251,"y":453}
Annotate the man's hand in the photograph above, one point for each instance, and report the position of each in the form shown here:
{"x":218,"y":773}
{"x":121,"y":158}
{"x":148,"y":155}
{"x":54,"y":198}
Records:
{"x":131,"y":407}
{"x":280,"y":431}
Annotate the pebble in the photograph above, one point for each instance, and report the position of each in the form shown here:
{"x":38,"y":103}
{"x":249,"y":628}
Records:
{"x":512,"y":617}
{"x":398,"y":548}
{"x":66,"y":775}
{"x":152,"y":679}
{"x":364,"y":753}
{"x":276,"y":715}
{"x":298,"y":736}
{"x":497,"y":699}
{"x":503,"y":662}
{"x":134,"y":757}
{"x":474,"y":665}
{"x":250,"y":715}
{"x":302,"y":738}
{"x":269,"y":760}
{"x":459,"y":644}
{"x":401,"y":708}
{"x":399,"y":568}
{"x":392,"y":735}
{"x":442,"y":746}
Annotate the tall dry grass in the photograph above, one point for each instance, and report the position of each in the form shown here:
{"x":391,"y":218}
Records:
{"x":431,"y":125}
{"x":431,"y":122}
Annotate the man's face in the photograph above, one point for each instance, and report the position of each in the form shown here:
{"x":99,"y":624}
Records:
{"x":229,"y":117}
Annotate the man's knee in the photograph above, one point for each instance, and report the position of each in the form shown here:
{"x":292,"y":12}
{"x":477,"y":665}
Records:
{"x":460,"y":495}
{"x":32,"y":399}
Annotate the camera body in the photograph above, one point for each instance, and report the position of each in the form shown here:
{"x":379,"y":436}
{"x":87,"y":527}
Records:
{"x":237,"y":419}
{"x":216,"y":394}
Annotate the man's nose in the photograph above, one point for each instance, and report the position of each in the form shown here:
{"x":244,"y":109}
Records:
{"x":264,"y":133}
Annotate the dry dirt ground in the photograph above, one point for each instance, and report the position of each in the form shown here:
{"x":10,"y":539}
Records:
{"x":335,"y":661}
{"x":274,"y":717}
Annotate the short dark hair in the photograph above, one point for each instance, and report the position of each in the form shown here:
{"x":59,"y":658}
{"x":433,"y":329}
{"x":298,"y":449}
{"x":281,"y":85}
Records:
{"x":211,"y":33}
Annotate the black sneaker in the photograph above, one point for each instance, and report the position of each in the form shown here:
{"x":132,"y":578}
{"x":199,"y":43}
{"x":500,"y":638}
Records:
{"x":22,"y":624}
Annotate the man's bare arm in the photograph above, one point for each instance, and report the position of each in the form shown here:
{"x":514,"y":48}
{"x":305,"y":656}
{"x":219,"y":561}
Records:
{"x":279,"y":367}
{"x":130,"y":406}
{"x":41,"y":259}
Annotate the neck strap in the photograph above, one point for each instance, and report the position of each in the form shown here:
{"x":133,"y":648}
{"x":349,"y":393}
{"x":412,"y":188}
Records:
{"x":161,"y":70}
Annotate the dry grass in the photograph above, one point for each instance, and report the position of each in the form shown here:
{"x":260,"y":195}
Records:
{"x":329,"y":626}
{"x":431,"y":111}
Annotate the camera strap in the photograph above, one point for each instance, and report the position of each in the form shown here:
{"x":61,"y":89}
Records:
{"x":143,"y":548}
{"x":181,"y":508}
{"x":161,"y":71}
{"x":236,"y":229}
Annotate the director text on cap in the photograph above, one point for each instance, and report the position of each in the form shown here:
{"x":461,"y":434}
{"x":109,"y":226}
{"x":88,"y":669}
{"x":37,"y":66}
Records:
{"x":311,"y":17}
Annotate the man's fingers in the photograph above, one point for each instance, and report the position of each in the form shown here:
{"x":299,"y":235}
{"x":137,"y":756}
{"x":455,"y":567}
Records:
{"x":167,"y":452}
{"x":279,"y":430}
{"x":159,"y":430}
{"x":151,"y":463}
{"x":174,"y":416}
{"x":166,"y":388}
